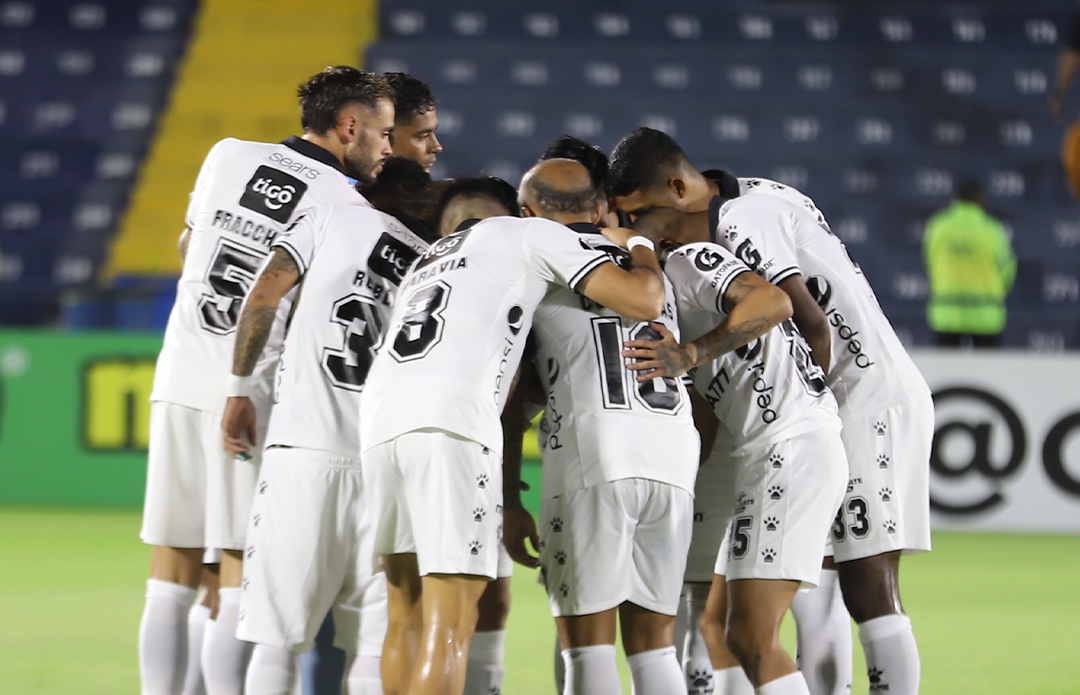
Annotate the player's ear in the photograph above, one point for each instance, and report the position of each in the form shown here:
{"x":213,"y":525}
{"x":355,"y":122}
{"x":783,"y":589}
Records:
{"x":678,"y":187}
{"x":597,"y":218}
{"x":347,"y":126}
{"x":527,"y":211}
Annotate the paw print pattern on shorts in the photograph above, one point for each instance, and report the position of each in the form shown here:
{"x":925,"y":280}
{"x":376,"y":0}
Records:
{"x":775,"y":492}
{"x":474,"y":548}
{"x":777,"y":461}
{"x":771,"y":523}
{"x":482,"y":481}
{"x":560,"y":557}
{"x":880,"y":428}
{"x":556,"y":525}
{"x":768,"y":554}
{"x":564,"y":590}
{"x":890,"y":526}
{"x":255,"y":520}
{"x":883,"y":461}
{"x":262,"y":486}
{"x":478,"y":515}
{"x":885,"y":494}
{"x":250,"y":552}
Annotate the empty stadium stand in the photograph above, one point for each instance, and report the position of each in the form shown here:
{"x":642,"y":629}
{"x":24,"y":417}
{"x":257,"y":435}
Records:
{"x":81,"y":88}
{"x":876,"y":109}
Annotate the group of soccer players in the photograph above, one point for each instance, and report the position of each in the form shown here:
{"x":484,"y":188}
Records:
{"x":730,"y":427}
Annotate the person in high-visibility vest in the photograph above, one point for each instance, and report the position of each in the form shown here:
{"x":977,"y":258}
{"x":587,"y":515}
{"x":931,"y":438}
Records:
{"x":971,"y":267}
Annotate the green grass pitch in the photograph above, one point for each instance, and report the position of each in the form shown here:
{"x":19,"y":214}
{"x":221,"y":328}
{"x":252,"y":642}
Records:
{"x":993,"y":613}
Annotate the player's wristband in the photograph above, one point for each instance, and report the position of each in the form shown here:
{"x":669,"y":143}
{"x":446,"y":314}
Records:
{"x":636,"y":241}
{"x":238,"y":386}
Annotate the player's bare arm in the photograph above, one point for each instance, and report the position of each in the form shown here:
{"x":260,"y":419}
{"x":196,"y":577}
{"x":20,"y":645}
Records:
{"x":518,"y":524}
{"x":754,"y":307}
{"x":810,"y":319}
{"x":252,"y":332}
{"x":704,"y":420}
{"x":637,"y":293}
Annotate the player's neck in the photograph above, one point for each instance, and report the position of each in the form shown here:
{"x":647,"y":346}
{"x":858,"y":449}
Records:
{"x":328,"y":142}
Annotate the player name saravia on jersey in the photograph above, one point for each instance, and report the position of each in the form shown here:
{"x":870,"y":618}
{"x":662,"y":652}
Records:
{"x":435,"y":261}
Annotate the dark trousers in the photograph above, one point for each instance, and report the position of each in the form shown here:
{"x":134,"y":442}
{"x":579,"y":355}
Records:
{"x":955,"y":340}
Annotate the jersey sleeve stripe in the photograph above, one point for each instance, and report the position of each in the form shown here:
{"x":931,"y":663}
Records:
{"x":784,"y":274}
{"x":580,"y":275}
{"x":291,"y":250}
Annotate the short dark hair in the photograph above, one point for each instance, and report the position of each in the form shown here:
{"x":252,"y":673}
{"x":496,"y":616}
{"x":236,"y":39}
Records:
{"x":490,"y":187}
{"x":589,"y":156}
{"x":641,"y":160}
{"x":324,"y":95}
{"x":401,"y":178}
{"x":969,"y":190}
{"x":412,"y":96}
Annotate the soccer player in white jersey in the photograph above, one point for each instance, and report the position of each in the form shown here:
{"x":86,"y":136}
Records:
{"x":429,"y":422}
{"x":246,"y":194}
{"x":620,"y":459}
{"x":771,"y":397}
{"x":309,"y":542}
{"x":883,"y":400}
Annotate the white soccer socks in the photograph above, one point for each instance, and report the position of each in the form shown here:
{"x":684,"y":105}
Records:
{"x":198,"y":617}
{"x":824,"y":637}
{"x":892,"y":657}
{"x":656,"y":672}
{"x":365,"y":678}
{"x":732,"y":681}
{"x":163,"y":637}
{"x":791,"y":684}
{"x":560,"y":669}
{"x":484,"y":675}
{"x":272,"y":671}
{"x":225,"y":658}
{"x":592,"y":671}
{"x":696,"y":663}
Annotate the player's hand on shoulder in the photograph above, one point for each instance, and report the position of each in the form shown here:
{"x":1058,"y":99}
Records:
{"x":518,"y":525}
{"x":659,"y":358}
{"x":618,"y":235}
{"x":238,"y":425}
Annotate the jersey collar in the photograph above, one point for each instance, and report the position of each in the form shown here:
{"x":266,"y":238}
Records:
{"x":584,"y":228}
{"x":728,"y":184}
{"x":313,"y":151}
{"x":714,"y":213}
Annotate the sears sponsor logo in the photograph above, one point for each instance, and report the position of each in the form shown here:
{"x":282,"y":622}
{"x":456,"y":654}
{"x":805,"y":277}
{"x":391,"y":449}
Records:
{"x":391,"y":258}
{"x":273,"y":193}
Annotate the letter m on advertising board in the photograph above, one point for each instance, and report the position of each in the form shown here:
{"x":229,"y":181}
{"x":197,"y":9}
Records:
{"x":116,"y":403}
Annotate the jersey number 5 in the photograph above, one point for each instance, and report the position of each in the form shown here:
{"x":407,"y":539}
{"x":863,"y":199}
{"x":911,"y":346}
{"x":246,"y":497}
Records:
{"x":348,"y":367}
{"x":230,"y":276}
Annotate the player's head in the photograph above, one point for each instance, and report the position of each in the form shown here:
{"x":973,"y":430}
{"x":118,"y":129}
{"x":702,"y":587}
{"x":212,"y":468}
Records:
{"x":350,"y":112}
{"x":668,"y":225}
{"x":400,"y":181}
{"x":649,"y":169}
{"x":415,"y":120}
{"x":971,"y":191}
{"x":475,"y":199}
{"x":560,"y":190}
{"x":590,"y":157}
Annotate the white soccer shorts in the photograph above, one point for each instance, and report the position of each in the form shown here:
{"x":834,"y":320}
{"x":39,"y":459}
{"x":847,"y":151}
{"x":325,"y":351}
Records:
{"x":786,"y":497}
{"x":714,"y":500}
{"x":196,"y":495}
{"x":887,"y":504}
{"x":309,"y":552}
{"x":438,"y":495}
{"x":505,"y":567}
{"x":624,"y":540}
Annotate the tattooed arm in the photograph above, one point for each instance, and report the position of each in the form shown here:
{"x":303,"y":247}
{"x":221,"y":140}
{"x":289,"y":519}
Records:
{"x":278,"y":277}
{"x":753,"y":305}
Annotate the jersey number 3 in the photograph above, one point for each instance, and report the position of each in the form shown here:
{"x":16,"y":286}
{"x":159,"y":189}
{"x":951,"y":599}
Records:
{"x":230,"y":276}
{"x":348,"y":367}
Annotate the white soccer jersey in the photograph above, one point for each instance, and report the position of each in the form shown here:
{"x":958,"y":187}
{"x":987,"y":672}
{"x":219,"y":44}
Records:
{"x":600,"y":424}
{"x":352,"y":260}
{"x":767,"y":390}
{"x":246,"y":194}
{"x":459,"y":328}
{"x":779,"y":232}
